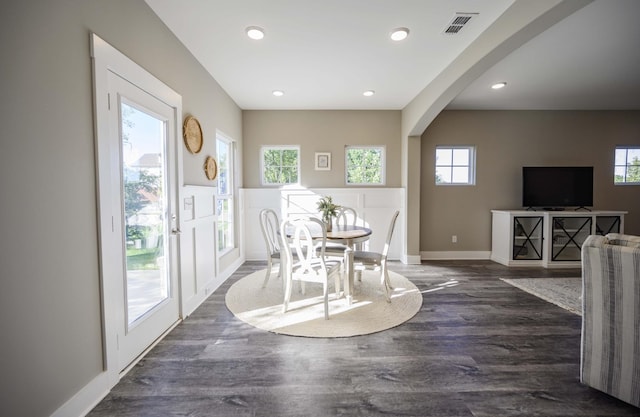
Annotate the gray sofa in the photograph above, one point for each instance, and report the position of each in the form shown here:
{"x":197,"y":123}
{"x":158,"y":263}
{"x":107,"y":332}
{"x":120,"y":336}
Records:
{"x":610,"y":354}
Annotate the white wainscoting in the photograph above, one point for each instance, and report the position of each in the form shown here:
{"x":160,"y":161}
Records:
{"x":375,"y":206}
{"x":198,"y":260}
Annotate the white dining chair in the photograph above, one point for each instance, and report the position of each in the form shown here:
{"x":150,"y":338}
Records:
{"x":347,"y":216}
{"x":270,"y":224}
{"x":304,"y":258}
{"x":376,"y":261}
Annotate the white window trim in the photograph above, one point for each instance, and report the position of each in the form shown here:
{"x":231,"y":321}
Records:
{"x":472,"y":166}
{"x":232,"y":189}
{"x":280,"y":147}
{"x":383,"y":168}
{"x":626,"y":148}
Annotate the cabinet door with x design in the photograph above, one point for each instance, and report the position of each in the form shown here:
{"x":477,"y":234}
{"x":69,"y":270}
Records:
{"x":527,"y":237}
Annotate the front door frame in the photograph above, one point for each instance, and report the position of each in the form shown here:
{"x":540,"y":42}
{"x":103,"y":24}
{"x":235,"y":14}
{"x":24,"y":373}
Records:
{"x":106,"y":59}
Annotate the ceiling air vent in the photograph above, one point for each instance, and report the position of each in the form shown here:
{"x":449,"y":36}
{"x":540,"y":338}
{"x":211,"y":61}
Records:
{"x":458,"y":22}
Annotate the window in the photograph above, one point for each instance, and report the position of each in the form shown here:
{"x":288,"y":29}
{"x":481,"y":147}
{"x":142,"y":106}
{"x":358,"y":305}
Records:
{"x":280,"y":165}
{"x":224,"y":199}
{"x":627,"y":165}
{"x":455,"y":165}
{"x":365,"y":165}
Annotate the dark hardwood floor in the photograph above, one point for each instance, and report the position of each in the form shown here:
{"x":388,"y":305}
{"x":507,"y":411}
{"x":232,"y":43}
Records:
{"x":478,"y":347}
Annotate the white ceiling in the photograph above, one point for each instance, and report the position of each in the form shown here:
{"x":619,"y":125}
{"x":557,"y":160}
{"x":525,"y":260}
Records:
{"x":325,"y":54}
{"x":588,"y":61}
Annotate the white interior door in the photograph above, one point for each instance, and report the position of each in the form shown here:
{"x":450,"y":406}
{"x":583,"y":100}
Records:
{"x":142,"y":158}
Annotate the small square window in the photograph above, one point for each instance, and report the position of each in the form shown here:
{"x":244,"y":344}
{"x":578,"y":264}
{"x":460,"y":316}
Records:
{"x":627,"y":165}
{"x":280,"y":165}
{"x":455,"y":165}
{"x":365,"y":165}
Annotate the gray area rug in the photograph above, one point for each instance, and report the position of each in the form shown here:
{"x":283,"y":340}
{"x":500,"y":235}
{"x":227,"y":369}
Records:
{"x":563,"y":292}
{"x":369,"y":312}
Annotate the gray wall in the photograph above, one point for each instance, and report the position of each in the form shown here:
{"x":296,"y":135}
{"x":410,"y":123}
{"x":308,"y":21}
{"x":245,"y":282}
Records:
{"x":50,"y":300}
{"x":321,"y":131}
{"x":506,"y":141}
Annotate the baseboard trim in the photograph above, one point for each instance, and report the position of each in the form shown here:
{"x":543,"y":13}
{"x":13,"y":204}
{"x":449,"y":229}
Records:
{"x":452,"y":255}
{"x":86,"y":399}
{"x":410,"y":259}
{"x":213,"y":284}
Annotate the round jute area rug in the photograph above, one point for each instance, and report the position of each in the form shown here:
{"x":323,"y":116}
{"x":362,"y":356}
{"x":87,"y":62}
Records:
{"x":368,"y":313}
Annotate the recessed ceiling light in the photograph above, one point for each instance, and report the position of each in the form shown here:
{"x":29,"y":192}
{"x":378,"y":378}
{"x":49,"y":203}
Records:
{"x":499,"y":85}
{"x":368,"y":93}
{"x":255,"y":32}
{"x":278,"y":93}
{"x":399,"y":34}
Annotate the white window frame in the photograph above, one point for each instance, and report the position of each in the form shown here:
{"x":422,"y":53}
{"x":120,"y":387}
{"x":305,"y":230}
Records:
{"x":262,"y":167}
{"x":625,"y":167}
{"x":471,"y":165}
{"x":229,"y":196}
{"x":383,"y":165}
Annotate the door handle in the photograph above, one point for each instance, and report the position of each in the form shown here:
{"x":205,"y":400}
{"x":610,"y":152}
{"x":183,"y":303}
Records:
{"x":175,"y":230}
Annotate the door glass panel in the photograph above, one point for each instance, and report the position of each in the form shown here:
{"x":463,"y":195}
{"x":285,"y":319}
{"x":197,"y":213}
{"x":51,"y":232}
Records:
{"x":144,"y":199}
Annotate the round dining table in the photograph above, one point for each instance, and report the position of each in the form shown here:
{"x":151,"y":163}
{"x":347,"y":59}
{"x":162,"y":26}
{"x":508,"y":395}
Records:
{"x":349,"y":235}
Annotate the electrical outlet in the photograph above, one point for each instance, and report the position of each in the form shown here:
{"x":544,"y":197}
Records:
{"x":454,"y":239}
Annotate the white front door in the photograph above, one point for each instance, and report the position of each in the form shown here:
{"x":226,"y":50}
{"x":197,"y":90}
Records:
{"x":138,"y":160}
{"x":142,"y":147}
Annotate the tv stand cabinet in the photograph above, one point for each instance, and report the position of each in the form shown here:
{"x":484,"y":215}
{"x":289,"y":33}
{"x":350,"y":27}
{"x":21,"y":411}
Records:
{"x":551,"y":239}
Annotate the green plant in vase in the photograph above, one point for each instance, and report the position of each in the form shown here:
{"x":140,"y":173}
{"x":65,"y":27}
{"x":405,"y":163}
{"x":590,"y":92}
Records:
{"x":329,"y":210}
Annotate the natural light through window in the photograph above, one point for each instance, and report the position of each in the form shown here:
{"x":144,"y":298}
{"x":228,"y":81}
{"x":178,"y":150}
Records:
{"x":365,"y":165}
{"x":455,"y":165}
{"x":145,"y":207}
{"x":280,"y":165}
{"x":224,"y":199}
{"x":627,"y":165}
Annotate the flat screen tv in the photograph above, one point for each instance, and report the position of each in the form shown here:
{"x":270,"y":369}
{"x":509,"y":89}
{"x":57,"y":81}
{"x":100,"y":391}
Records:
{"x":557,"y":187}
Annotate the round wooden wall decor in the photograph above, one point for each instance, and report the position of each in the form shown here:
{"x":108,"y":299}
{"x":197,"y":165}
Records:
{"x":192,"y":133}
{"x":211,"y":168}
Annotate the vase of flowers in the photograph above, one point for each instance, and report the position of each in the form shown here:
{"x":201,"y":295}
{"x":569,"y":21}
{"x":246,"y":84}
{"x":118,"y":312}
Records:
{"x":329,"y":210}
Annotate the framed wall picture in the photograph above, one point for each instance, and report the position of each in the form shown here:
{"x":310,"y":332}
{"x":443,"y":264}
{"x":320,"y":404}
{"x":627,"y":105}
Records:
{"x":323,"y":161}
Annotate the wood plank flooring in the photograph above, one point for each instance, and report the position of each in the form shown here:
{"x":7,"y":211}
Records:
{"x":479,"y":347}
